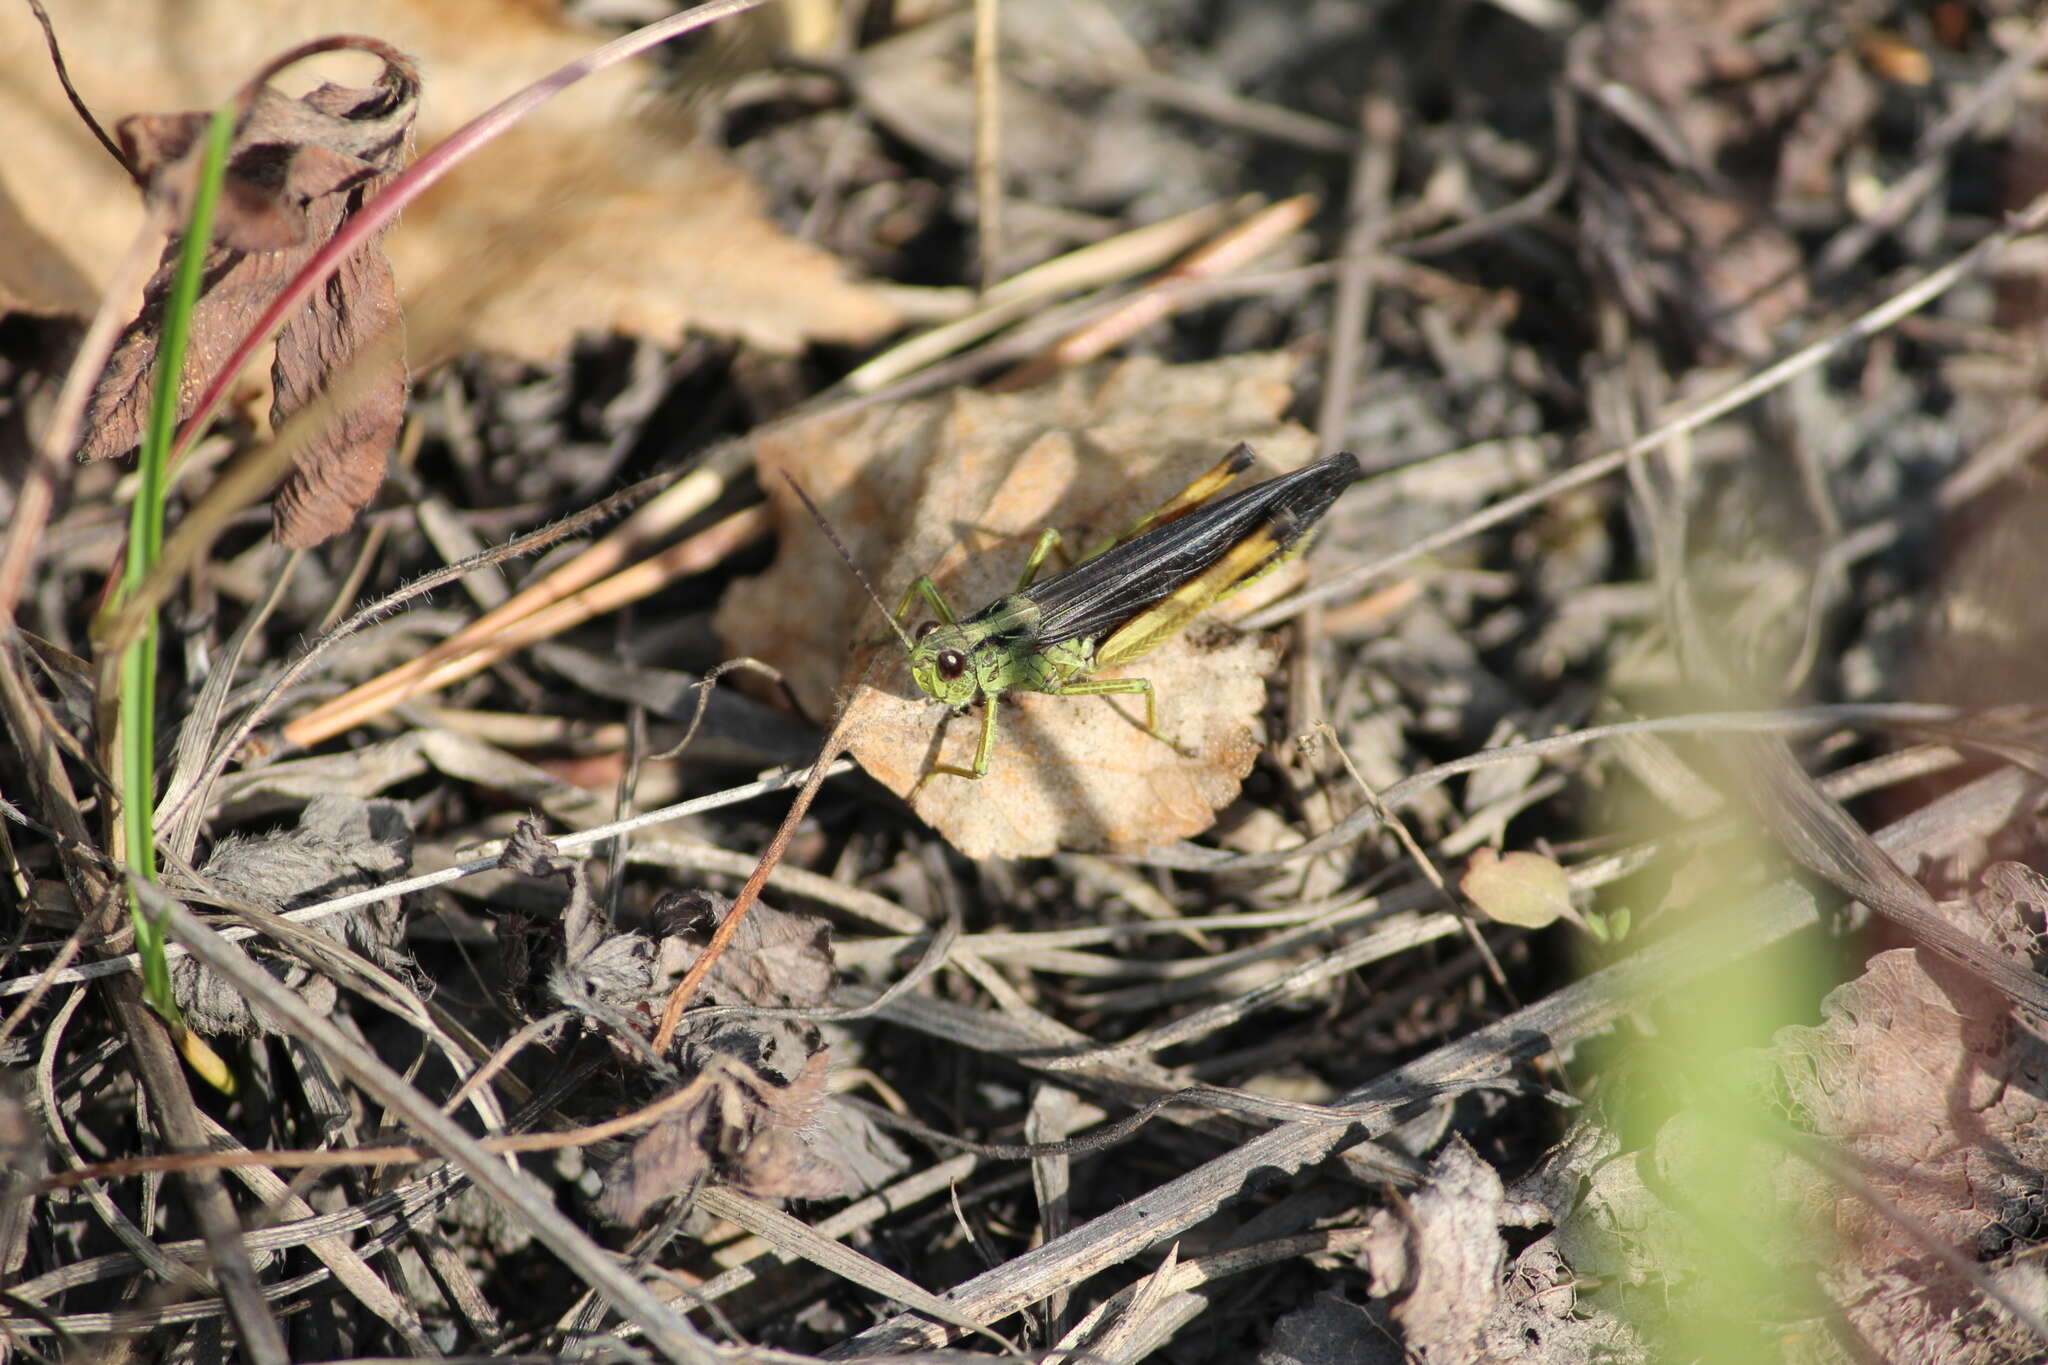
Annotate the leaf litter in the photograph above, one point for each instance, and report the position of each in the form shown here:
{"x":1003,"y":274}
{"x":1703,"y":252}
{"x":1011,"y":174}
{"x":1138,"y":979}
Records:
{"x":1928,"y":1086}
{"x":341,"y":844}
{"x":1612,"y":289}
{"x":759,"y":1118}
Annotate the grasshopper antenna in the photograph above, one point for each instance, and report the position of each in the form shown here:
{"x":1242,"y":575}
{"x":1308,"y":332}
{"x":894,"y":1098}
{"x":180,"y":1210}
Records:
{"x":839,"y":545}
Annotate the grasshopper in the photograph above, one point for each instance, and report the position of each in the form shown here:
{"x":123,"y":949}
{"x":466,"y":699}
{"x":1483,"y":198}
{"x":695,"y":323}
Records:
{"x":1116,"y":604}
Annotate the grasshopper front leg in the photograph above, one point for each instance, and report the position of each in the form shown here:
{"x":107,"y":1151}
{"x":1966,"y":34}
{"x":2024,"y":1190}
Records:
{"x":982,"y":749}
{"x":1048,"y":542}
{"x":929,"y":591}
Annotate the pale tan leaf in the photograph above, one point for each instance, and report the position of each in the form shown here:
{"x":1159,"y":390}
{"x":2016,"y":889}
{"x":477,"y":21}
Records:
{"x":597,"y":212}
{"x":1521,"y":888}
{"x":960,"y":487}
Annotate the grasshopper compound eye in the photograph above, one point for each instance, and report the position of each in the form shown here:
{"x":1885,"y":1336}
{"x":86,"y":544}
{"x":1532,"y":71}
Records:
{"x":927,"y":628}
{"x":952,"y":663}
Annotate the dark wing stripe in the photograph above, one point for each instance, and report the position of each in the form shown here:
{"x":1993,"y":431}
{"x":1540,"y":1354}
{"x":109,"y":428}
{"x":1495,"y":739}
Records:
{"x":1250,"y":557}
{"x":1100,"y":594}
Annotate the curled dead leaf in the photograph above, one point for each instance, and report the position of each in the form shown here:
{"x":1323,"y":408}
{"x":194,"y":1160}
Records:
{"x":1441,"y":1260}
{"x":960,"y":487}
{"x":1693,"y":248}
{"x":1920,"y":1082}
{"x":299,"y":168}
{"x":759,"y":1119}
{"x":341,"y":844}
{"x":753,"y":1111}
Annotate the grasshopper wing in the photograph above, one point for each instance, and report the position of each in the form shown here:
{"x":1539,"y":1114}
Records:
{"x":1098,"y":596}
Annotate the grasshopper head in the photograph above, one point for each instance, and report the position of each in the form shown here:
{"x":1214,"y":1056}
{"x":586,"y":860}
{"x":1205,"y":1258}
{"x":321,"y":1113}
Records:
{"x":942,"y":664}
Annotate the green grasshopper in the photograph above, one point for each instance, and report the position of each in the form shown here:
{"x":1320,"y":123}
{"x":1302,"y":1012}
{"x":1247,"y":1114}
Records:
{"x":1116,"y":604}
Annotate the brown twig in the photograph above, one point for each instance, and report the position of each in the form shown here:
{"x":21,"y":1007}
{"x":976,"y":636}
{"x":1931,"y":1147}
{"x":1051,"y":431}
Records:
{"x":388,"y":1154}
{"x":78,"y":104}
{"x":988,"y":140}
{"x":555,"y":604}
{"x":1873,"y":321}
{"x":60,"y":436}
{"x":1372,"y":180}
{"x":1230,"y":250}
{"x":686,"y":989}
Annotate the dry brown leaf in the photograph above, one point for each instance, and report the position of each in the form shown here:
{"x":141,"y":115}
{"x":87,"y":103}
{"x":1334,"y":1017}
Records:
{"x":919,"y":84}
{"x":1936,"y":1085}
{"x":960,"y":487}
{"x":1922,"y":1081}
{"x":744,"y":1128}
{"x":1935,"y":1090}
{"x":1979,"y":642}
{"x":1710,"y":263}
{"x":1441,"y":1259}
{"x":1691,"y":59}
{"x":1682,"y":240}
{"x":762,"y":1122}
{"x":298,"y":170}
{"x":593,"y":213}
{"x":757,"y":1116}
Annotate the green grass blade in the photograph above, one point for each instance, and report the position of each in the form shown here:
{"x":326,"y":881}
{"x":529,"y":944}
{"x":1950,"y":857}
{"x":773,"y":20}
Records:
{"x":137,"y":776}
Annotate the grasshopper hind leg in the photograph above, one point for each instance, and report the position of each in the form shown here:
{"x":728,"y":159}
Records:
{"x":1111,"y":687}
{"x":1049,"y":543}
